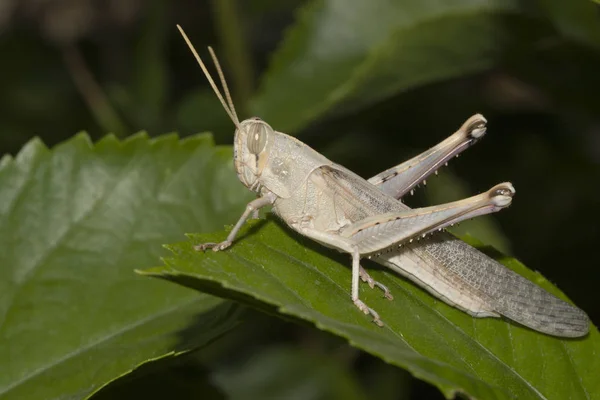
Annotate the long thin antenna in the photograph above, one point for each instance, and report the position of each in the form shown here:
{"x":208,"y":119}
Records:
{"x":223,"y":81}
{"x":229,"y":111}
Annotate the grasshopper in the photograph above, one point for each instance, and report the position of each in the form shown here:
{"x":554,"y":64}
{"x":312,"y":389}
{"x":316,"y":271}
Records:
{"x":365,"y":218}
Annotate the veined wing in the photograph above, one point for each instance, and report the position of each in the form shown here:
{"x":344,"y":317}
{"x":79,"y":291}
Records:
{"x":352,"y":196}
{"x":507,"y":292}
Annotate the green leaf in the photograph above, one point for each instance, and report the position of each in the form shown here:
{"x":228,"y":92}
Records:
{"x":270,"y":268}
{"x":354,"y":53}
{"x":75,"y":222}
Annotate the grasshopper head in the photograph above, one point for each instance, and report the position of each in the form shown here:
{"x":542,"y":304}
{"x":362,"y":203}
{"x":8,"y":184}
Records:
{"x":252,"y":136}
{"x":250,"y":146}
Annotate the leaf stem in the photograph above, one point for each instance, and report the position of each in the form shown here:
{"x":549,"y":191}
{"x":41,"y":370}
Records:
{"x":92,"y":93}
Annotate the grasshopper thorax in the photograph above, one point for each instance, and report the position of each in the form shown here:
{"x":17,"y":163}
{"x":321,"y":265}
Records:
{"x":252,"y":140}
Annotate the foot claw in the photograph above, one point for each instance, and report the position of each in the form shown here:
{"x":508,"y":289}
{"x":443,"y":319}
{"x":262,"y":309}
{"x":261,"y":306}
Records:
{"x":368,"y":310}
{"x":364,"y":275}
{"x":213,"y":246}
{"x":204,"y":246}
{"x":386,"y":292}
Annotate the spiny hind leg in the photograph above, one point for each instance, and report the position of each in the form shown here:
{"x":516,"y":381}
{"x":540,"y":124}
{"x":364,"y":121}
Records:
{"x":365,"y":277}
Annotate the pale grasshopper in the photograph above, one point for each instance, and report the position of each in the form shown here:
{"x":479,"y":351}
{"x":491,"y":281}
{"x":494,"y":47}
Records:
{"x":337,"y":208}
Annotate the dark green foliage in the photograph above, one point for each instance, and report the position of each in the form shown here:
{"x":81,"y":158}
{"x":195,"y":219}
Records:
{"x":368,"y":84}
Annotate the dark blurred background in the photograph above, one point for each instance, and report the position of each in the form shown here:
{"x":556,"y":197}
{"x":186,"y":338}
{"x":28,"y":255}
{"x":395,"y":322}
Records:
{"x":120,"y":66}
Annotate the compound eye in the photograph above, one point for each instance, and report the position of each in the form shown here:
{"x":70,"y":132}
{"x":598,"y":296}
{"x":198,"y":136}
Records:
{"x":257,"y":138}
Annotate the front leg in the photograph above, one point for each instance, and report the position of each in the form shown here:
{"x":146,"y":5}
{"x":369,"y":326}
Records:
{"x":251,"y":208}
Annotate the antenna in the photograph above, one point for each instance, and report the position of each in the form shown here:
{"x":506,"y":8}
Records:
{"x":223,"y":81}
{"x":228,"y":106}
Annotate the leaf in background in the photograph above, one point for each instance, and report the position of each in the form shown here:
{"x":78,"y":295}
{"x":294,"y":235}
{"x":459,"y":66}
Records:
{"x":355,"y":53}
{"x":75,"y":222}
{"x":284,"y":372}
{"x":578,"y":20}
{"x":149,"y":74}
{"x":484,"y":358}
{"x":170,"y":376}
{"x":212,"y":118}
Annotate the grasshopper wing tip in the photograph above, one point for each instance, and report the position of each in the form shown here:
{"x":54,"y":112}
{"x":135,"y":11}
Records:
{"x":555,"y":318}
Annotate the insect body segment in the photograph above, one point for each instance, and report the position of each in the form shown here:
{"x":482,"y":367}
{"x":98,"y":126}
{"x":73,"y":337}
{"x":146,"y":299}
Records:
{"x":337,"y":208}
